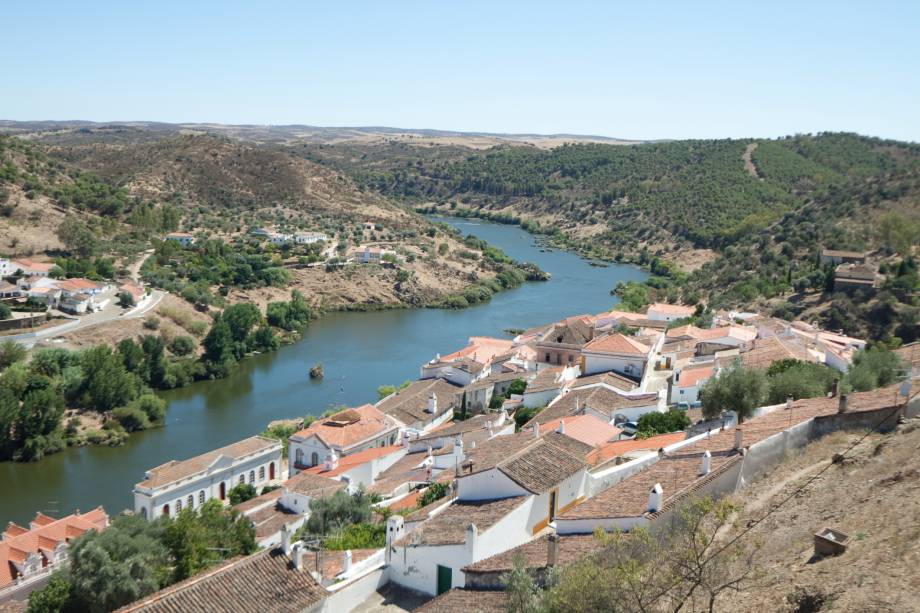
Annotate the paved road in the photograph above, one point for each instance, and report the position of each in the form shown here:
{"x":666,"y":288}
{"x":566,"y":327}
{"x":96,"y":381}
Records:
{"x":111,"y":313}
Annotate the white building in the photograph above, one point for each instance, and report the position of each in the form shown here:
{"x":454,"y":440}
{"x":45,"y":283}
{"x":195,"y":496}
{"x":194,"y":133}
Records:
{"x":183,"y":238}
{"x":169,"y":488}
{"x":279,"y":238}
{"x":342,"y":434}
{"x":6,"y":267}
{"x":687,"y":382}
{"x":616,"y":353}
{"x":661,"y":311}
{"x":308,"y":238}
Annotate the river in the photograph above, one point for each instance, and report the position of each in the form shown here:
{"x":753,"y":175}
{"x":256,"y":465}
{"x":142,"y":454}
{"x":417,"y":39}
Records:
{"x":360,"y":351}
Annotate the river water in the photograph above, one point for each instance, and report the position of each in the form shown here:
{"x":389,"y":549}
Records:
{"x":360,"y":351}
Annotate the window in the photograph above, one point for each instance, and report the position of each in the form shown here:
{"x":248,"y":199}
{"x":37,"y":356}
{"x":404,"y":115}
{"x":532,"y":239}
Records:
{"x":166,"y":509}
{"x":547,"y":357}
{"x":252,"y":476}
{"x":179,"y":506}
{"x":314,"y":459}
{"x":190,"y":501}
{"x":201,"y":498}
{"x":261,"y":474}
{"x":299,"y":457}
{"x":242,"y":479}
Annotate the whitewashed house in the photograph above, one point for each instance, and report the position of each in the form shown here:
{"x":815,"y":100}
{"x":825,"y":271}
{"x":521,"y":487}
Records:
{"x":661,"y":311}
{"x":308,"y":238}
{"x":342,"y":434}
{"x":184,"y":239}
{"x":686,"y":382}
{"x":170,"y":487}
{"x":617,"y":353}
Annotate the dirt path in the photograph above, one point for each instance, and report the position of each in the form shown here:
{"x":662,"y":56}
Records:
{"x":136,"y":267}
{"x":749,"y":163}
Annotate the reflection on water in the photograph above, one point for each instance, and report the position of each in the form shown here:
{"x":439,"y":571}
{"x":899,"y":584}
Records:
{"x":359,"y":351}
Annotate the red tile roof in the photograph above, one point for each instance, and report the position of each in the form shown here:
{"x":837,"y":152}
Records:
{"x":589,"y":429}
{"x":617,"y":343}
{"x":349,"y":427}
{"x":692,"y":376}
{"x":618,"y":448}
{"x":348,"y":462}
{"x":672,"y":309}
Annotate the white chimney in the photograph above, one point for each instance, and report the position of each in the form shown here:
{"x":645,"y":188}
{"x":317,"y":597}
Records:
{"x":655,"y":498}
{"x":561,"y":428}
{"x":332,"y":460}
{"x":552,"y":549}
{"x":285,"y":540}
{"x":405,"y":438}
{"x":298,"y":556}
{"x":430,"y":453}
{"x":739,"y":438}
{"x":842,"y":404}
{"x":458,"y":450}
{"x":536,"y":430}
{"x":788,"y":403}
{"x":346,"y":562}
{"x":432,"y":403}
{"x":395,"y":526}
{"x":472,"y":533}
{"x":705,"y":465}
{"x":502,"y":417}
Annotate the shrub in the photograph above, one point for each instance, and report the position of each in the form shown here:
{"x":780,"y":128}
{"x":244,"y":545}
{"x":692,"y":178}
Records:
{"x":131,"y":418}
{"x":152,"y":323}
{"x":182,"y":345}
{"x":242,"y":493}
{"x":651,"y":424}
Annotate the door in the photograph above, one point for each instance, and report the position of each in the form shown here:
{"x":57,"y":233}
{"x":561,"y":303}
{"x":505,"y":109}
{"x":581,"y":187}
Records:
{"x":552,"y":505}
{"x":271,"y":471}
{"x":445,"y":578}
{"x":223,"y":491}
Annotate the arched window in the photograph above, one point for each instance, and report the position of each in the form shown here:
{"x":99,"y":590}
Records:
{"x":261,"y":474}
{"x":252,"y":476}
{"x":190,"y":501}
{"x":242,"y":479}
{"x":271,"y":471}
{"x":223,"y":490}
{"x":200,"y":498}
{"x":298,"y":457}
{"x":166,"y":509}
{"x":314,"y":459}
{"x":178,"y":506}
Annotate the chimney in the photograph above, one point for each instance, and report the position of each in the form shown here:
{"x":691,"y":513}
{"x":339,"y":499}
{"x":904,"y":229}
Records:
{"x":552,"y":549}
{"x":788,"y":403}
{"x":842,"y":404}
{"x":285,"y":540}
{"x":395,"y":526}
{"x":661,"y":452}
{"x":835,"y":387}
{"x":706,"y":463}
{"x":298,"y":556}
{"x":739,"y":438}
{"x":472,"y":533}
{"x":502,"y":417}
{"x":432,"y":403}
{"x":458,"y":449}
{"x":405,"y":438}
{"x":491,"y":433}
{"x":332,"y":460}
{"x":346,"y":562}
{"x":655,"y":498}
{"x":536,"y":430}
{"x":561,"y":428}
{"x":430,"y":454}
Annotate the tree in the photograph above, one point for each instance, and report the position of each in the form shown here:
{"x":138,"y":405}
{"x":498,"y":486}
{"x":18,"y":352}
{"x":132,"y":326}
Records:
{"x":9,"y":415}
{"x":524,"y":595}
{"x":182,"y":345}
{"x":123,"y":563}
{"x":131,"y":418}
{"x":107,"y":384}
{"x":334,"y":513}
{"x":199,"y":538}
{"x":798,"y":379}
{"x":52,"y":598}
{"x":5,"y":311}
{"x":737,"y":389}
{"x":517,"y":387}
{"x":77,"y":237}
{"x":874,"y":368}
{"x":654,"y":423}
{"x":435,"y":491}
{"x":241,"y":493}
{"x":241,"y":318}
{"x":10,"y":353}
{"x":125,"y":300}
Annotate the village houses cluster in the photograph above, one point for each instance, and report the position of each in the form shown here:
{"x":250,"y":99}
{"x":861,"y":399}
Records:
{"x":536,"y":490}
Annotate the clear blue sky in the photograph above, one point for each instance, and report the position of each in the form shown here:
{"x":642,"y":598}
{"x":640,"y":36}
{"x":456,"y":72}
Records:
{"x":633,"y":70}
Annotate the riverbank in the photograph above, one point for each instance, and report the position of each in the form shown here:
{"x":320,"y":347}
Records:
{"x":359,"y":352}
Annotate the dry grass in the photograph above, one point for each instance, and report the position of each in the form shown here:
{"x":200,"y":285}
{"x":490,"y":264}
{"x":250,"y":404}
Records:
{"x":874,"y":496}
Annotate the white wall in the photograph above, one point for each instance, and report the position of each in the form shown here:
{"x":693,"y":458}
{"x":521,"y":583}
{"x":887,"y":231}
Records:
{"x":633,"y":367}
{"x":540,"y":399}
{"x":488,"y":485}
{"x":691,"y":393}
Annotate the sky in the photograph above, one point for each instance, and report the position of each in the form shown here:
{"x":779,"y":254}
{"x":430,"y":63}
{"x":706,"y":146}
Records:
{"x":637,"y":70}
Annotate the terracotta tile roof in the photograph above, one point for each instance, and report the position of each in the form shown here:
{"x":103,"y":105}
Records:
{"x":588,"y":429}
{"x":271,"y":519}
{"x":610,"y":379}
{"x":502,"y":377}
{"x":332,"y":562}
{"x":45,"y":534}
{"x":570,"y":548}
{"x":449,"y":526}
{"x":773,"y":349}
{"x":572,"y":331}
{"x":601,"y":399}
{"x":313,"y":485}
{"x":619,"y":448}
{"x":546,"y":379}
{"x":477,"y":422}
{"x":265,"y":581}
{"x":350,"y":461}
{"x":678,"y":473}
{"x":409,"y":405}
{"x":692,"y":376}
{"x":671,"y":309}
{"x":617,"y":343}
{"x":536,"y":464}
{"x":177,"y":470}
{"x":481,"y":349}
{"x":28,"y":265}
{"x":349,"y":427}
{"x":77,"y":285}
{"x":423,"y":513}
{"x":460,"y":600}
{"x":252,"y":503}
